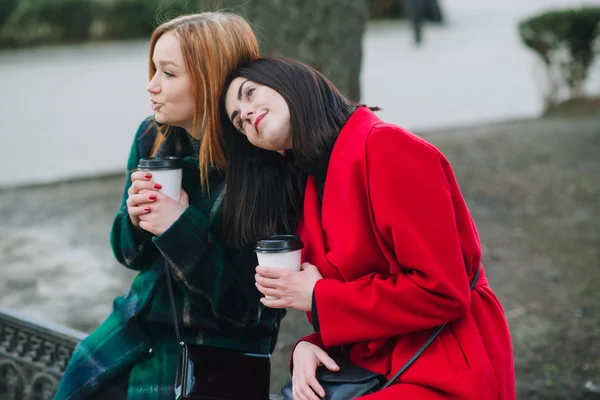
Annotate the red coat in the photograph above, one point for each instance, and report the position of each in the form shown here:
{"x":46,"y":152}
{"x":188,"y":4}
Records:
{"x":397,"y":248}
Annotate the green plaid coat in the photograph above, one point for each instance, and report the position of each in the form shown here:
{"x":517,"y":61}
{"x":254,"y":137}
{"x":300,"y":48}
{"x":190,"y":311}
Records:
{"x":216,"y":300}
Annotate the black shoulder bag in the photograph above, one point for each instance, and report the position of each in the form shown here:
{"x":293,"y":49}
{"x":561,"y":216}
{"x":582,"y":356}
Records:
{"x":215,"y":373}
{"x":352,"y":381}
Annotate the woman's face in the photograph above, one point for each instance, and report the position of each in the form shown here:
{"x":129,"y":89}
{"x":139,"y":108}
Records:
{"x":260,"y":113}
{"x":170,"y":89}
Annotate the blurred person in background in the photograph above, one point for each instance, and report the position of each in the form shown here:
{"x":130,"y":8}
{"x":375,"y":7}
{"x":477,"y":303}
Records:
{"x":418,"y":11}
{"x":133,"y":354}
{"x":390,"y":245}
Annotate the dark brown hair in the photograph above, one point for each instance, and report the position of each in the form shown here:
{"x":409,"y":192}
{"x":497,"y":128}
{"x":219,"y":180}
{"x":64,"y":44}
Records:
{"x":265,"y":190}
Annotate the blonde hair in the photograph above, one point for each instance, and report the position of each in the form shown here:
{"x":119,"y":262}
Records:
{"x":213,"y":44}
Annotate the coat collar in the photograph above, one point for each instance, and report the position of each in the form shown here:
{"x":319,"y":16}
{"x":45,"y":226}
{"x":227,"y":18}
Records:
{"x":360,"y":121}
{"x":361,"y":118}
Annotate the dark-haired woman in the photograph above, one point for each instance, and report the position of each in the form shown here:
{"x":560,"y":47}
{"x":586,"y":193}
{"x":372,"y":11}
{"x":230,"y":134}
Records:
{"x":390,"y":246}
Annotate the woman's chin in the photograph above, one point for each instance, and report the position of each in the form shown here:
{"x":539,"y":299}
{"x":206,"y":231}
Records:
{"x":160,"y":118}
{"x":266,"y":144}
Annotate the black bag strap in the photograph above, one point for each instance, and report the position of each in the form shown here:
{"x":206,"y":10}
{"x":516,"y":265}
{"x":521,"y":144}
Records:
{"x":172,"y":301}
{"x":435,"y":334}
{"x":211,"y":217}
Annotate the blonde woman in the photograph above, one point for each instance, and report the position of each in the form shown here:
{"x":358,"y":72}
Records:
{"x":133,"y":353}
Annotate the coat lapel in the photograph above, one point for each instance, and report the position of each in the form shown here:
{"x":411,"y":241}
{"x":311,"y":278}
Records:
{"x":337,"y":238}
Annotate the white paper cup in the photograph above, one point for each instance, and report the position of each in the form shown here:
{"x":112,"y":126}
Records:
{"x":166,"y":171}
{"x":280,"y":251}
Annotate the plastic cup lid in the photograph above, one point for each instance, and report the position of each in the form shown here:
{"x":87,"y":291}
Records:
{"x":279,"y":244}
{"x":161,"y":163}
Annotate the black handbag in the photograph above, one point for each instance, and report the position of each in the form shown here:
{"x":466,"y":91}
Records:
{"x":352,"y":381}
{"x":215,"y":373}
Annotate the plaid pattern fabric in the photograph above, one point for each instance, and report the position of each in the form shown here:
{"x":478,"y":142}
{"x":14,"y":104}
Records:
{"x":216,"y":300}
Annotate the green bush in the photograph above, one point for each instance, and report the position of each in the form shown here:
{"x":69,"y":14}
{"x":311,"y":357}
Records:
{"x":6,"y":9}
{"x":32,"y":22}
{"x":128,"y":19}
{"x":48,"y":21}
{"x":567,"y":42}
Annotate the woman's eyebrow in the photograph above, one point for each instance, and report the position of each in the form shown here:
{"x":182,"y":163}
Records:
{"x":167,"y":62}
{"x":239,"y":96}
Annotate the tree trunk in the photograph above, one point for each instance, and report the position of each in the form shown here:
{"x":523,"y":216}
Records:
{"x":326,"y":34}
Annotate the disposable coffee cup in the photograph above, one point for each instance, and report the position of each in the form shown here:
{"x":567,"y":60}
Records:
{"x":166,"y":171}
{"x":280,"y":251}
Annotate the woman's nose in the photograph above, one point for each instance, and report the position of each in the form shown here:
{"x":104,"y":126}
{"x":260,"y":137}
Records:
{"x":153,"y":87}
{"x":246,"y":112}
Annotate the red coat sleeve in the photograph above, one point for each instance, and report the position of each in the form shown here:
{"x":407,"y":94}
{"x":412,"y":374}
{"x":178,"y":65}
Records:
{"x":411,"y":204}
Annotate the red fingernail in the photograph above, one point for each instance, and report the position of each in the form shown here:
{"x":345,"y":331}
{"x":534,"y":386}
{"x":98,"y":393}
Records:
{"x":158,"y":186}
{"x":146,"y":208}
{"x":148,"y":176}
{"x":152,"y":197}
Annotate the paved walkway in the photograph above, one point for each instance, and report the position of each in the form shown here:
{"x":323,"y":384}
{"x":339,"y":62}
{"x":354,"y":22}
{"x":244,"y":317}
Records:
{"x":57,"y":101}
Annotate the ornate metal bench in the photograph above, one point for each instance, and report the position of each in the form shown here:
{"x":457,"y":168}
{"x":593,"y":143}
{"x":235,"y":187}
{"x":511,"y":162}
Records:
{"x":33,"y":356}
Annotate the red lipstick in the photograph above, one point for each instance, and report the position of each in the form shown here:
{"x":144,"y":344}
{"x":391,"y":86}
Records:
{"x":257,"y":120}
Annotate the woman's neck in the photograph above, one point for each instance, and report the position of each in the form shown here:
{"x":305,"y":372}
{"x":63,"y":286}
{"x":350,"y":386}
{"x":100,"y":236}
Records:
{"x":319,"y":165}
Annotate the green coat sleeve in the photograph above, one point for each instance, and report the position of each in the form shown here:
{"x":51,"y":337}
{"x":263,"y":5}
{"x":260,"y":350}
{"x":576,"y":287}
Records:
{"x":132,"y":246}
{"x":219,"y":280}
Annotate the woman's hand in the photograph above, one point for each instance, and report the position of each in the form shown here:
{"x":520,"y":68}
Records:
{"x":136,"y":202}
{"x":163,"y":212}
{"x":150,"y":209}
{"x":307,"y":357}
{"x":291,"y":289}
